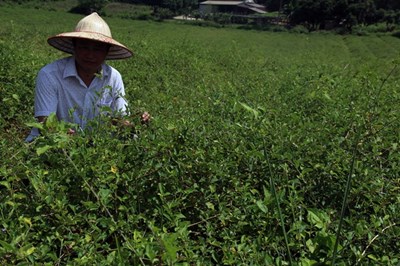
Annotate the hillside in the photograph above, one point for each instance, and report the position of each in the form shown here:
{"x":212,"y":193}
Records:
{"x":265,"y":148}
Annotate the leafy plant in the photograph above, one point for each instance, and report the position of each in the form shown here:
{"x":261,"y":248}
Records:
{"x":246,"y":160}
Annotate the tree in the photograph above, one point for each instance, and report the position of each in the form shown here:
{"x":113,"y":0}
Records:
{"x":88,"y":6}
{"x":388,"y":4}
{"x":313,"y":14}
{"x":273,"y":5}
{"x":364,"y":11}
{"x":343,"y":13}
{"x":179,"y":5}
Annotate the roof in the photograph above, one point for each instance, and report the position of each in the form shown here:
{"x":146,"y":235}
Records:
{"x":249,"y":4}
{"x":254,"y":7}
{"x":221,"y":3}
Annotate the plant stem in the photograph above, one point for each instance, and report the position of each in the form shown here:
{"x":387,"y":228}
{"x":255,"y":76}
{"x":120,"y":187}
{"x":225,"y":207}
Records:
{"x":344,"y":203}
{"x":272,"y":184}
{"x":372,"y":240}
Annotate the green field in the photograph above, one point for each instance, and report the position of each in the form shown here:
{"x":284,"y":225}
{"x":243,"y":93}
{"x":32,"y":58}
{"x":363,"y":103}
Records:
{"x":265,"y":148}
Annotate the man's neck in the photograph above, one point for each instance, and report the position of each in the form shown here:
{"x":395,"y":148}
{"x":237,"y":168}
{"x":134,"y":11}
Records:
{"x":86,"y":75}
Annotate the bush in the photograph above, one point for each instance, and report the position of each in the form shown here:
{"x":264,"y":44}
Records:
{"x":14,"y":74}
{"x":162,"y":13}
{"x":299,"y":29}
{"x":246,"y":161}
{"x":204,"y":23}
{"x":363,"y":30}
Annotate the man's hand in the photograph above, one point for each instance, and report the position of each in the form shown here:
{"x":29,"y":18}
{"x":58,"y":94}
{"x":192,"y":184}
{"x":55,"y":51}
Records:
{"x":121,"y":122}
{"x":127,"y":123}
{"x":145,"y":118}
{"x":71,"y":131}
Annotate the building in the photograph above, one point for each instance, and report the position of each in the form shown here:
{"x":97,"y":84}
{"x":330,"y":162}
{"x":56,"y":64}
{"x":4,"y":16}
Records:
{"x":244,"y":7}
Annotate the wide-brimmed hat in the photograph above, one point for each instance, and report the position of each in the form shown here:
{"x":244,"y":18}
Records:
{"x":91,"y":27}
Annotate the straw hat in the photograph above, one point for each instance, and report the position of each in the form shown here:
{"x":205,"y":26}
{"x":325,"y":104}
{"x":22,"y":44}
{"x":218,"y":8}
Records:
{"x":91,"y":27}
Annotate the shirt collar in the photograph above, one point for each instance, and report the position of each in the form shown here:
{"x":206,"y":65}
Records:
{"x":70,"y":69}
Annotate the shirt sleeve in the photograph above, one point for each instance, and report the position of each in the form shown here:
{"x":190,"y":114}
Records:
{"x":46,"y":98}
{"x":120,"y":104}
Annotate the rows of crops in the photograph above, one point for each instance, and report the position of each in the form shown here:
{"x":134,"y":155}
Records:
{"x":260,"y":143}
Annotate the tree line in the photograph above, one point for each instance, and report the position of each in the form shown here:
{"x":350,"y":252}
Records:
{"x":313,"y":14}
{"x":316,"y":14}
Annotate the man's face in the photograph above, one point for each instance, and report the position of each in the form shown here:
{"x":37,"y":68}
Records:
{"x":89,"y":55}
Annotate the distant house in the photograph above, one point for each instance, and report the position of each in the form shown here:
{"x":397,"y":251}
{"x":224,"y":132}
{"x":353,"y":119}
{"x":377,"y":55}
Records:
{"x":244,"y":7}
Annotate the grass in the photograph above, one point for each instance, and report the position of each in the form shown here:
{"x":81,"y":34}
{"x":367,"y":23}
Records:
{"x":196,"y":187}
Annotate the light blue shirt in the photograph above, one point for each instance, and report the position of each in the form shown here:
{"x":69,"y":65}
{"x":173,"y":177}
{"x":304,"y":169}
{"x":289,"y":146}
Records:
{"x":60,"y":90}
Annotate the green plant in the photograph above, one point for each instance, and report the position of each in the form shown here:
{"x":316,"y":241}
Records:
{"x":245,"y":123}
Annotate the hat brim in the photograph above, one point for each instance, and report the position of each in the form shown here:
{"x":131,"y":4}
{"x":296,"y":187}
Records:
{"x":63,"y":42}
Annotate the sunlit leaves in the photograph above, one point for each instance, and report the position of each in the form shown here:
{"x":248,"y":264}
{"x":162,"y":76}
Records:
{"x":193,"y":186}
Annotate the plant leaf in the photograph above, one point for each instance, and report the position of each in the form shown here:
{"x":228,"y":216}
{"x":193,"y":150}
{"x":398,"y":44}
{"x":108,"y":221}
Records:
{"x":41,"y":150}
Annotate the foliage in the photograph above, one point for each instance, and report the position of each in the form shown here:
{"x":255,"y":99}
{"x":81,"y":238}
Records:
{"x":316,"y":14}
{"x":340,"y":16}
{"x":88,"y":6}
{"x":162,"y":13}
{"x":174,"y":6}
{"x":246,"y":160}
{"x":179,"y":5}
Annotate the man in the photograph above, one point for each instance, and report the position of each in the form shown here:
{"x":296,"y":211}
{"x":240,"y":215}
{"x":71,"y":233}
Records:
{"x":80,"y":87}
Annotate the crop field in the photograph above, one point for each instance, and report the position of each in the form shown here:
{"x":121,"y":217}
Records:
{"x":265,"y":148}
